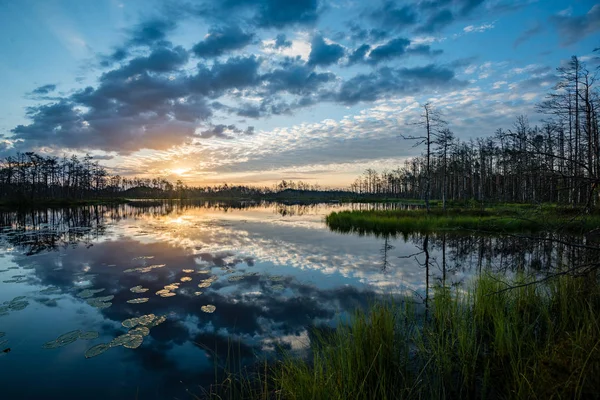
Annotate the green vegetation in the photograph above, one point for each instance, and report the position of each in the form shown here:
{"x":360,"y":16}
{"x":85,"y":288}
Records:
{"x":496,"y":219}
{"x":533,"y":341}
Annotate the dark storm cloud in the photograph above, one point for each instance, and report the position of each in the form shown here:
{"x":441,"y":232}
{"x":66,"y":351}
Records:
{"x":394,"y":16}
{"x":394,"y":48}
{"x":157,"y":100}
{"x":438,"y":14}
{"x":260,"y":13}
{"x":360,"y":34}
{"x":146,"y":33}
{"x":161,"y":60}
{"x":45,"y":89}
{"x":295,"y":77}
{"x":143,"y":104}
{"x":235,"y":73}
{"x":222,"y":40}
{"x":151,"y":31}
{"x":282,"y":42}
{"x":279,"y":14}
{"x":394,"y":81}
{"x":324,"y":54}
{"x":224,"y":131}
{"x":467,"y":6}
{"x":528,"y":34}
{"x":437,"y":21}
{"x":576,"y":27}
{"x":359,"y":55}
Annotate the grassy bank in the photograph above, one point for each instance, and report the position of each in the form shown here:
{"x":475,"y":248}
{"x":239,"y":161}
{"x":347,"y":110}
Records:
{"x":499,"y":219}
{"x":533,"y":342}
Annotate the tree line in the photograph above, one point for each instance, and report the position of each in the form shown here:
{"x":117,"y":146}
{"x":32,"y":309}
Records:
{"x":30,"y":177}
{"x":558,"y":161}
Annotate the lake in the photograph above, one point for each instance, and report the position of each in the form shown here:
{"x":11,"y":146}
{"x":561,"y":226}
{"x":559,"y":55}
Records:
{"x":205,"y":278}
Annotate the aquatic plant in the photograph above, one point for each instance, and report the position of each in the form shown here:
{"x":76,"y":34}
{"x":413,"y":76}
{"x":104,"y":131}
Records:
{"x":532,"y":341}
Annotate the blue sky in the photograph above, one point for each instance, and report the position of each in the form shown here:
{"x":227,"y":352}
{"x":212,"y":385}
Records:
{"x":257,"y":91}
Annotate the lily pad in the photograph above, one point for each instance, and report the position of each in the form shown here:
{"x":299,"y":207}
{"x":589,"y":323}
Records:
{"x":90,"y":335}
{"x":187,"y":271}
{"x":48,"y":302}
{"x":208,"y":308}
{"x":63,"y":340}
{"x":18,"y":305}
{"x":127,"y":340}
{"x":135,"y":342}
{"x":120,"y":340}
{"x":146,"y":319}
{"x":197,"y":293}
{"x":140,"y":330}
{"x":139,"y":289}
{"x":172,"y":286}
{"x":168,"y":294}
{"x":143,"y":270}
{"x":105,"y":298}
{"x":51,"y":345}
{"x":138,"y":300}
{"x":99,"y":304}
{"x":203,"y":271}
{"x":50,"y":290}
{"x":204,"y":284}
{"x":186,"y":279}
{"x":96,"y":350}
{"x":157,"y":321}
{"x":130,"y":323}
{"x":69,"y":337}
{"x":278,"y":287}
{"x":86,"y":293}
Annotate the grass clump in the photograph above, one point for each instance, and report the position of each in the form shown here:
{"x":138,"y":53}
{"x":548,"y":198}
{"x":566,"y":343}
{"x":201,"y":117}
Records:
{"x":531,"y":342}
{"x":494,"y":220}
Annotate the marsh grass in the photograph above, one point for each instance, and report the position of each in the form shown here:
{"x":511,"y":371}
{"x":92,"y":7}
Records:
{"x":532,"y":342}
{"x":501,"y":219}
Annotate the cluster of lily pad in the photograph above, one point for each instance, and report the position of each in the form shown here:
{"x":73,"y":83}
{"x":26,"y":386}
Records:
{"x":101,"y":302}
{"x":207,"y":282}
{"x":17,"y":304}
{"x":236,"y":278}
{"x":69,"y":338}
{"x":139,"y":328}
{"x":138,"y":289}
{"x":167,"y":291}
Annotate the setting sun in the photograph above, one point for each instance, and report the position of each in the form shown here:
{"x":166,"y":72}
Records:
{"x":180,"y":171}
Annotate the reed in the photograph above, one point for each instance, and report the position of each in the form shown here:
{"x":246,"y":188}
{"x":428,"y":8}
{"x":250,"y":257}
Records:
{"x":531,"y":342}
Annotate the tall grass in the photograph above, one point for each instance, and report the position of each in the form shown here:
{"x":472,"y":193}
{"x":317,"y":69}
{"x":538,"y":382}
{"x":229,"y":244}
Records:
{"x":499,"y":220}
{"x":532,"y":342}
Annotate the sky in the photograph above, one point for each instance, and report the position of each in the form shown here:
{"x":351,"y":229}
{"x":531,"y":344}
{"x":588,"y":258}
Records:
{"x":256,"y":91}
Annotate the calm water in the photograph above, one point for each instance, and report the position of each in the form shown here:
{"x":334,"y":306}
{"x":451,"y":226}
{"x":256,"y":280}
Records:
{"x":270,"y":272}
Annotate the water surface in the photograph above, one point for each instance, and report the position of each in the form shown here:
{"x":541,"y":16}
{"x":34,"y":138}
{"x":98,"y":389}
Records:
{"x":261,"y":276}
